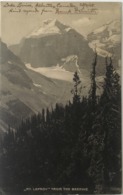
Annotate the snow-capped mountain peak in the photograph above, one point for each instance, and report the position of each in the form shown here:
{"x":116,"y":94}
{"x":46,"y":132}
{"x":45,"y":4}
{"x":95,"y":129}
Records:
{"x":50,"y":26}
{"x":108,"y":29}
{"x":53,"y":41}
{"x":107,"y":39}
{"x":53,"y":22}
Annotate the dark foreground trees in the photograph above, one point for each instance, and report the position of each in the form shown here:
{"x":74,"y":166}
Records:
{"x":77,"y":145}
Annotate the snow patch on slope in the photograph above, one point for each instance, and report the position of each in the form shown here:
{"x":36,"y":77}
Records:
{"x":70,"y":63}
{"x":55,"y":72}
{"x":37,"y":85}
{"x":99,"y":50}
{"x":115,"y":39}
{"x":105,"y":38}
{"x":101,"y":29}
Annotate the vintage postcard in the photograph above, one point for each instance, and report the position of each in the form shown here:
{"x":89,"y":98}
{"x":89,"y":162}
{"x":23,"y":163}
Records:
{"x":60,"y":98}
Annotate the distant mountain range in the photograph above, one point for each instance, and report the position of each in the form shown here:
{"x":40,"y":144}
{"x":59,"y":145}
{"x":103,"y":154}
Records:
{"x":107,"y":40}
{"x":38,"y":72}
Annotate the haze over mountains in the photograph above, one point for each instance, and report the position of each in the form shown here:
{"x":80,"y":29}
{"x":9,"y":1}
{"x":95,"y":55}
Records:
{"x":38,"y":72}
{"x":52,"y":42}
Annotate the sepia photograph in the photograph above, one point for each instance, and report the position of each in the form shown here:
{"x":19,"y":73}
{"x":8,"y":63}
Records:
{"x":60,"y":98}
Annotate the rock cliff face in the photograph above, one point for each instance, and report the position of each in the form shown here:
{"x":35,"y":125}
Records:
{"x":12,"y":68}
{"x":71,"y":63}
{"x":46,"y":46}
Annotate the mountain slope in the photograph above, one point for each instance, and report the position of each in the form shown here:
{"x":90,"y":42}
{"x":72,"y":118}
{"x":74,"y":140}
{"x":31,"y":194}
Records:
{"x":48,"y":45}
{"x":24,"y":92}
{"x":107,"y":40}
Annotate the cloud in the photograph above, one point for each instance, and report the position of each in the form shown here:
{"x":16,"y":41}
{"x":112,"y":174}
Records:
{"x":84,"y":25}
{"x":86,"y":21}
{"x":87,"y":24}
{"x":108,"y":15}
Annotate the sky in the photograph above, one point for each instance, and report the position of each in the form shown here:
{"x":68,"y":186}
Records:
{"x":15,"y":26}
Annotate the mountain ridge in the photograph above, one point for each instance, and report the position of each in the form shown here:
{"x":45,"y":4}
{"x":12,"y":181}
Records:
{"x":107,"y":39}
{"x":51,"y":26}
{"x":49,"y":50}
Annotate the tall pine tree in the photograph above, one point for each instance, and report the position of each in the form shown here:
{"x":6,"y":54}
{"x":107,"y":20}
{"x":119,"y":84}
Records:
{"x":111,"y":116}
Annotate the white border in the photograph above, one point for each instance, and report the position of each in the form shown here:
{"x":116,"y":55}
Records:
{"x":96,"y":1}
{"x":113,"y":1}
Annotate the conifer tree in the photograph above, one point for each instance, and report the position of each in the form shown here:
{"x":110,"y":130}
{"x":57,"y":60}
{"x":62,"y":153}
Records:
{"x":77,"y":89}
{"x":106,"y":133}
{"x":92,"y":93}
{"x":96,"y":138}
{"x":111,"y":116}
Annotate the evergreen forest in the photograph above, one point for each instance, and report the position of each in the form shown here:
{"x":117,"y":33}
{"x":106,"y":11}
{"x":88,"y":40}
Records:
{"x":72,"y":145}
